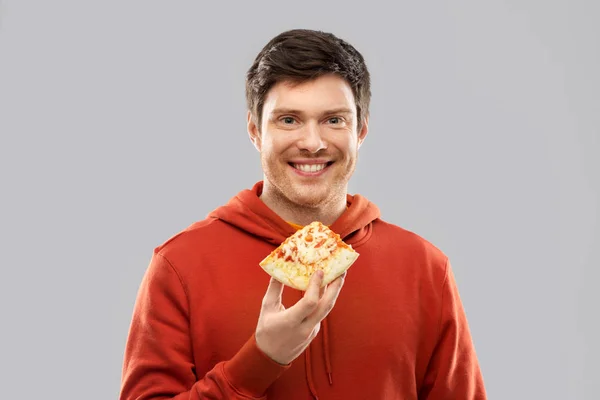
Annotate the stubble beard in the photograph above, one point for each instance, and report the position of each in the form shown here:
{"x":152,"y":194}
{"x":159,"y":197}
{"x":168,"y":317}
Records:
{"x":294,"y":194}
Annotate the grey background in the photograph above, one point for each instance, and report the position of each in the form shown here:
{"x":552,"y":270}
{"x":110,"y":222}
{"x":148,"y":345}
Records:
{"x":122,"y":122}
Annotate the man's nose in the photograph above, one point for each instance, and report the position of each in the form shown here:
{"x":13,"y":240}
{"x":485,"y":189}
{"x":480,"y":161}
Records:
{"x":312,"y":139}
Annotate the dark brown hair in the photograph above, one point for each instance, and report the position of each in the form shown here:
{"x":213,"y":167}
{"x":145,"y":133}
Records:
{"x":300,"y":55}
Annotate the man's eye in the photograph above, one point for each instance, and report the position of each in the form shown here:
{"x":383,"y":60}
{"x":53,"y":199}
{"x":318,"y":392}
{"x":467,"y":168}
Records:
{"x":335,"y":120}
{"x":287,"y":120}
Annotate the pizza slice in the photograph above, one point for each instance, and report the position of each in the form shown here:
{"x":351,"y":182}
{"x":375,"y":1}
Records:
{"x":311,"y":248}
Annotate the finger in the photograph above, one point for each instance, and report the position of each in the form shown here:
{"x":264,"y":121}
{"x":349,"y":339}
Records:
{"x":273,"y":295}
{"x":327,"y":301}
{"x":307,"y":305}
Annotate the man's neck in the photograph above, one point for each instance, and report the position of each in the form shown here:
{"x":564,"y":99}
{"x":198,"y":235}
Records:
{"x":326,"y":213}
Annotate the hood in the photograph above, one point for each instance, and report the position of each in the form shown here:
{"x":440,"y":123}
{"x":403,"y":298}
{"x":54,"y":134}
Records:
{"x":247,"y":212}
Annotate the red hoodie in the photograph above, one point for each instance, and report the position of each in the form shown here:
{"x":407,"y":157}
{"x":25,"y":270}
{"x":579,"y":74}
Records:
{"x":397,"y":331}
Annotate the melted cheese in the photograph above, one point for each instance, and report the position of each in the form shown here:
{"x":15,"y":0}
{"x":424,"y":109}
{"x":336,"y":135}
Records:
{"x":307,"y":250}
{"x":302,"y":247}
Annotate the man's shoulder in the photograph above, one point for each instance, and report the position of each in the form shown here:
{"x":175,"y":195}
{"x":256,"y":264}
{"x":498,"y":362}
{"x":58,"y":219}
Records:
{"x":187,"y":239}
{"x":400,"y":238}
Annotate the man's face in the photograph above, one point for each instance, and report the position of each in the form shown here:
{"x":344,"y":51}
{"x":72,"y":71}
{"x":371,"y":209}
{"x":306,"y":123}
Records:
{"x":308,"y":139}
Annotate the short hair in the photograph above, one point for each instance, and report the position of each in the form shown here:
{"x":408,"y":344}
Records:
{"x":301,"y":55}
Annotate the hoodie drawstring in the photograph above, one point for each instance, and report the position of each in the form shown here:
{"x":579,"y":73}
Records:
{"x":309,"y":379}
{"x":326,"y":350}
{"x":326,"y":357}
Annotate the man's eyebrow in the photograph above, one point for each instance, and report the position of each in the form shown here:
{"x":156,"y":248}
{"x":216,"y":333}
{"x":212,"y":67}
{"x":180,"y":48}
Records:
{"x":285,"y":110}
{"x":339,"y":110}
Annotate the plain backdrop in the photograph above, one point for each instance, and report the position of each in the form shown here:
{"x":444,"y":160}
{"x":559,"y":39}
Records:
{"x":122,"y":122}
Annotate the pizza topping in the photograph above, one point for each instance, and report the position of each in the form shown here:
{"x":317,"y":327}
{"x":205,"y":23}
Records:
{"x":311,"y":248}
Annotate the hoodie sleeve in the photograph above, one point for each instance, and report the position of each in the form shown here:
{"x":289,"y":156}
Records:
{"x":453,"y":371}
{"x":158,"y":360}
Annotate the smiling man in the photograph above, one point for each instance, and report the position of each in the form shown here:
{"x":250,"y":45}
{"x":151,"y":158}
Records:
{"x":308,"y":140}
{"x":210,"y":323}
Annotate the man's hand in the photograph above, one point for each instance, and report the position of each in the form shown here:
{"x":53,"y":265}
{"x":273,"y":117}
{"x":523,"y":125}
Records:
{"x":284,"y":334}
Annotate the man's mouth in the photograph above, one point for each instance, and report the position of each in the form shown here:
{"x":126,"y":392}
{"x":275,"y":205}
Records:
{"x":311,"y":168}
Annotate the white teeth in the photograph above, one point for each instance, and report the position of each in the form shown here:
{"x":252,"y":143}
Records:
{"x":310,"y":167}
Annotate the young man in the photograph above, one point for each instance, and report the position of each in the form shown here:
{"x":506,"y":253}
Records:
{"x":209,"y":323}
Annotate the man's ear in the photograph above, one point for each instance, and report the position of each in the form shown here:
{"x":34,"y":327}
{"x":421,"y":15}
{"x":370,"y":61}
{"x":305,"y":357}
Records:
{"x":364,"y":130}
{"x":253,"y":131}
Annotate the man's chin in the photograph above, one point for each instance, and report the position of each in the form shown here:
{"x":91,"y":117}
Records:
{"x":308,"y":198}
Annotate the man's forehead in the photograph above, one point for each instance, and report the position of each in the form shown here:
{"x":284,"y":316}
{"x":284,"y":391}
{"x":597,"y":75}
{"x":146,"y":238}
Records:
{"x":318,"y":95}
